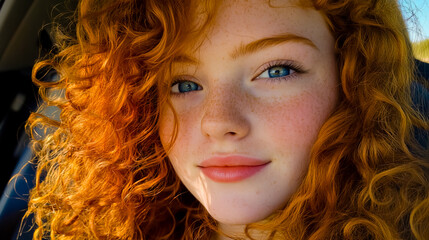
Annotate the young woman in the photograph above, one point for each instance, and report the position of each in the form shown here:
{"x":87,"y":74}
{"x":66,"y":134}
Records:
{"x":232,"y":119}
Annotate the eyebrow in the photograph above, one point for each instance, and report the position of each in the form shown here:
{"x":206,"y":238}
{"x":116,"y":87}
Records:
{"x":255,"y":46}
{"x":269,"y":42}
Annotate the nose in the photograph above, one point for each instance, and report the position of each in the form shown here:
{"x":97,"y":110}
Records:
{"x":225,"y":116}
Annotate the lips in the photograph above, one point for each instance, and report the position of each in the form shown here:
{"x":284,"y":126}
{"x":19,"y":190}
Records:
{"x":231,"y":168}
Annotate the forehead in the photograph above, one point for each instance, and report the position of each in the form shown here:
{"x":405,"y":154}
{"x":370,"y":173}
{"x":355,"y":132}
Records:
{"x":238,"y":22}
{"x":245,"y":17}
{"x":252,"y":10}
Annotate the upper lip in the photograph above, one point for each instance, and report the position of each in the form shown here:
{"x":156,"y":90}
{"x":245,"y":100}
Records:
{"x":232,"y":161}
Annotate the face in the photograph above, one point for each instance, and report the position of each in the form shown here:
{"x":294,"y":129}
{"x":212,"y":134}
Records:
{"x":250,"y":101}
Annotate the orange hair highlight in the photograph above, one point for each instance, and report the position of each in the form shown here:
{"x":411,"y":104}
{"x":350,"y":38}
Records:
{"x":103,"y":174}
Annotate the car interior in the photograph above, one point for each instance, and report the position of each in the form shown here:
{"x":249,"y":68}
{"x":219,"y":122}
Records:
{"x":24,"y":37}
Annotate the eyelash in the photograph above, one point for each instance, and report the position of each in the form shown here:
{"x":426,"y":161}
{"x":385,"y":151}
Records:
{"x":298,"y":69}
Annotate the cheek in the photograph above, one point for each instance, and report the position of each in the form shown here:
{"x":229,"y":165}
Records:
{"x":185,"y":121}
{"x":296,"y":122}
{"x":166,"y":134}
{"x":180,"y":151}
{"x":166,"y":126}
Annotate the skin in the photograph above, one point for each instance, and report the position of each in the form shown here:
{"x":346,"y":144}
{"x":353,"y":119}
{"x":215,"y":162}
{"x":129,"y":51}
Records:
{"x":238,"y":110}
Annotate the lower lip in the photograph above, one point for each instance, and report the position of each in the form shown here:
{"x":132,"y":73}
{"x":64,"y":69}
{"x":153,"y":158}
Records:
{"x":231,"y":173}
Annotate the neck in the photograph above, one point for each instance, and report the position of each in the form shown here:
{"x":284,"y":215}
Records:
{"x":230,"y":230}
{"x":237,"y":231}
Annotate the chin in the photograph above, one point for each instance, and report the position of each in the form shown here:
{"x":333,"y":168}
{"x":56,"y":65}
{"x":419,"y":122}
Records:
{"x":240,"y":216}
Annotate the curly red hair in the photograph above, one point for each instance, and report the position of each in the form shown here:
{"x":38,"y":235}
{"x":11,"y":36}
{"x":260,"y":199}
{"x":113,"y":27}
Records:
{"x":103,"y":174}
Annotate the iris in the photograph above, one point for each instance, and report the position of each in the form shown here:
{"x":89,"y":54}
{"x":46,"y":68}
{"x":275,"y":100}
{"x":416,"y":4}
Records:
{"x":187,"y":86}
{"x":278,"y":71}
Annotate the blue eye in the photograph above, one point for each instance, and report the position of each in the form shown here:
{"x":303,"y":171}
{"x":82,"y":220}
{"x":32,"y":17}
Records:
{"x":185,"y":87}
{"x":276,"y":72}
